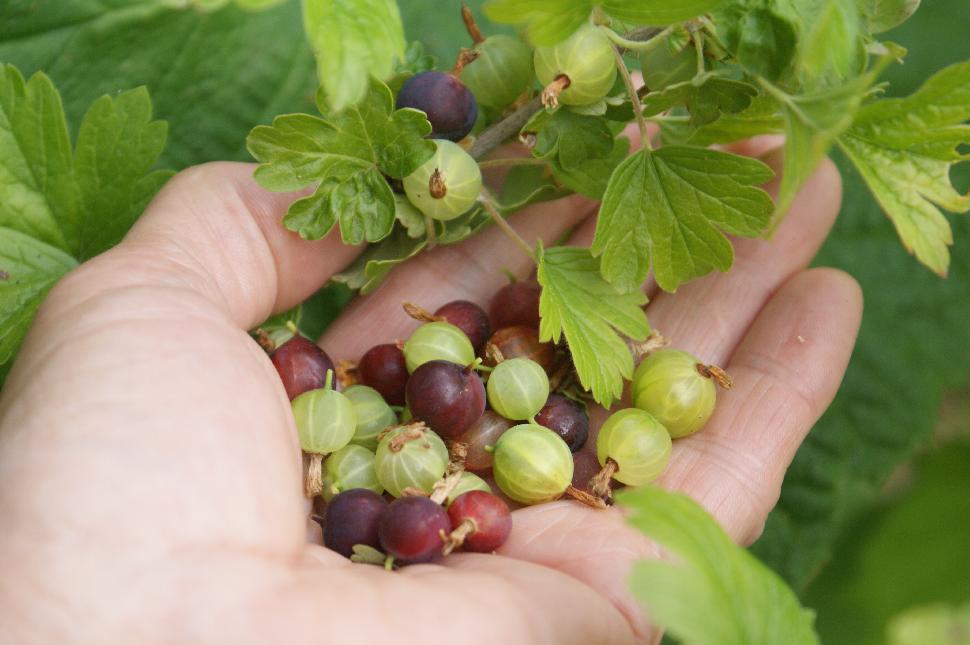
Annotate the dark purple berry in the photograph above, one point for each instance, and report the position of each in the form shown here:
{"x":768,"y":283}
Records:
{"x":352,"y":517}
{"x":585,"y":467}
{"x":383,"y":368}
{"x":450,"y":106}
{"x":302,"y":365}
{"x":468,"y":317}
{"x":516,"y":304}
{"x":446,"y":396}
{"x":567,"y":419}
{"x":411,"y":529}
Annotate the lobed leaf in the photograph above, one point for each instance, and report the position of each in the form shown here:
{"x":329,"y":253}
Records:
{"x":905,"y":148}
{"x":669,"y":207}
{"x":740,"y":600}
{"x":353,"y":40}
{"x":577,"y":303}
{"x":707,"y":96}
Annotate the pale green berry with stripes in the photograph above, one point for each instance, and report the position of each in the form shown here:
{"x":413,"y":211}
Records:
{"x":447,"y":184}
{"x":410,"y":457}
{"x":671,"y":385}
{"x":501,"y":73}
{"x":373,"y":415}
{"x":532,"y":464}
{"x":469,"y":481}
{"x":437,"y":341}
{"x":325,"y":419}
{"x":350,"y":467}
{"x":585,"y":60}
{"x":637,"y":442}
{"x":518,"y":388}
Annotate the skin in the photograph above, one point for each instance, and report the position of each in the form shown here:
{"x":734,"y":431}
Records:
{"x":150,"y":477}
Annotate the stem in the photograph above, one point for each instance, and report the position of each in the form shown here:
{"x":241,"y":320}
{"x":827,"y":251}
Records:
{"x":599,"y":485}
{"x":457,"y":537}
{"x":716,"y":374}
{"x":584,"y":497}
{"x":496,"y":135}
{"x":420,"y":314}
{"x":639,"y":45}
{"x":660,"y":118}
{"x":500,"y":221}
{"x":510,"y":161}
{"x":470,"y":25}
{"x":328,"y":383}
{"x":699,"y":47}
{"x":634,"y":98}
{"x":313,"y":477}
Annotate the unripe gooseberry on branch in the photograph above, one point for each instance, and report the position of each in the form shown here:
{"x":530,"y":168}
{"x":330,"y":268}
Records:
{"x":447,"y":184}
{"x":580,"y":70}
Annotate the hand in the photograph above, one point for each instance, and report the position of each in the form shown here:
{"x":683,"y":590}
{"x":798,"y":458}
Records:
{"x":150,"y":477}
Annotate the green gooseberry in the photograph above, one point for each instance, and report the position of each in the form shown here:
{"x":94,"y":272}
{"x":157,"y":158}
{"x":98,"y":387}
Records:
{"x":637,"y":442}
{"x":501,"y":73}
{"x":518,"y":388}
{"x":325,"y":419}
{"x":437,"y":341}
{"x":586,"y":59}
{"x":373,"y":415}
{"x":350,"y":467}
{"x":410,"y":457}
{"x":532,"y":464}
{"x":669,"y":385}
{"x":447,"y":184}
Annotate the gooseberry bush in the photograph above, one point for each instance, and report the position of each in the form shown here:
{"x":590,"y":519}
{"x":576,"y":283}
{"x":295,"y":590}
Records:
{"x":401,"y":154}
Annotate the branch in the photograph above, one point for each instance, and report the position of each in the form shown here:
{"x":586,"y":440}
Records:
{"x":504,"y":130}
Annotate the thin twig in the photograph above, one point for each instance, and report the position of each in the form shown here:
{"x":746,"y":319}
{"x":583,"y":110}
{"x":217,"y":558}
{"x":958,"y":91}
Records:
{"x":496,"y":135}
{"x":634,"y":98}
{"x":511,"y":161}
{"x":486,"y":201}
{"x":639,"y":46}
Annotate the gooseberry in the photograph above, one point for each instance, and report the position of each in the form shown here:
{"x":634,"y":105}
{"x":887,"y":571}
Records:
{"x":468,"y":317}
{"x":481,"y":522}
{"x":520,"y":342}
{"x":501,"y":73}
{"x":302,"y":365}
{"x":383,"y":368}
{"x":446,"y":396}
{"x":353,"y":517}
{"x":350,"y":467}
{"x":447,"y":184}
{"x":373,"y":415}
{"x":517,"y":303}
{"x":583,"y":64}
{"x":532,"y":464}
{"x":410,"y":457}
{"x":468,"y":482}
{"x":518,"y":388}
{"x":449,"y":104}
{"x":411,"y":528}
{"x":637,"y":443}
{"x":566,"y":418}
{"x":438,"y":341}
{"x":669,"y":385}
{"x":325,"y":419}
{"x":480,"y":440}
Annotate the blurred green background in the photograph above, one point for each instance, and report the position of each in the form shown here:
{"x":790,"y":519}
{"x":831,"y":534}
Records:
{"x":874,"y":517}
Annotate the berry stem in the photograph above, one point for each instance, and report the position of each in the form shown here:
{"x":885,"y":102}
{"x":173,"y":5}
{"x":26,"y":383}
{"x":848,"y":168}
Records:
{"x":465,"y":56}
{"x":328,"y":384}
{"x":643,"y":348}
{"x":584,"y":497}
{"x":501,"y":222}
{"x":420,"y":314}
{"x":457,"y":537}
{"x":313,"y":476}
{"x":550,"y":93}
{"x":634,"y":98}
{"x":346,"y":373}
{"x":264,"y":341}
{"x":599,"y":485}
{"x":470,"y":25}
{"x":719,"y":376}
{"x":511,"y":161}
{"x":638,"y":45}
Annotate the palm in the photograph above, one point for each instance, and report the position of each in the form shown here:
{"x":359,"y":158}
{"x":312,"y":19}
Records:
{"x":150,"y":468}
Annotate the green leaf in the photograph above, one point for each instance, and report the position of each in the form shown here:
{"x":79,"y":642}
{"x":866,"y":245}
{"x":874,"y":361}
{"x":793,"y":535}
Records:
{"x":905,"y":148}
{"x":409,"y":216}
{"x":830,"y":47}
{"x":353,"y":40}
{"x":28,"y":270}
{"x":371,"y":267}
{"x":547,"y":21}
{"x":711,"y":591}
{"x":345,"y":152}
{"x":524,"y":185}
{"x":568,"y":137}
{"x":591,"y":313}
{"x":883,"y":15}
{"x":592,"y":177}
{"x":762,"y":36}
{"x":658,"y":12}
{"x":59,"y":208}
{"x":669,"y":207}
{"x":706,"y":97}
{"x":763,"y":116}
{"x":206,"y":77}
